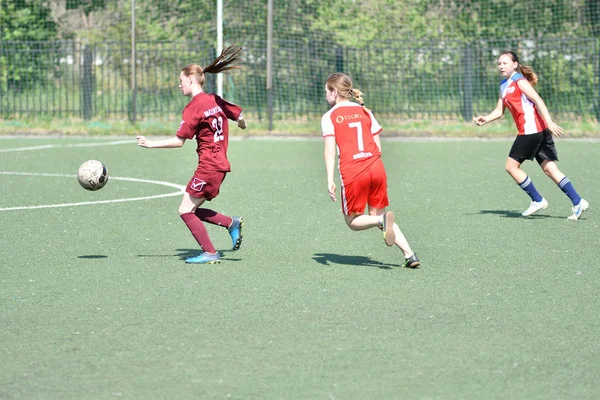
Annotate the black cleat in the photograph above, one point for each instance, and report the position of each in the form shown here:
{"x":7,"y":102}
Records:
{"x":412,"y":262}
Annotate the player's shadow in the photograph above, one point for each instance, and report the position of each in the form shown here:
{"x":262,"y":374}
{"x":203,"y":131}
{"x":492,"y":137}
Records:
{"x":514,"y":214}
{"x":182,"y":254}
{"x":503,"y":213}
{"x":361,"y":261}
{"x":92,"y":256}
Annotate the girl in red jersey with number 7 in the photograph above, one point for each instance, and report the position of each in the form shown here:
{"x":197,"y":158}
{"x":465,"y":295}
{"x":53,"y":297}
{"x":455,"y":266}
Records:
{"x":206,"y":118}
{"x":353,"y":129}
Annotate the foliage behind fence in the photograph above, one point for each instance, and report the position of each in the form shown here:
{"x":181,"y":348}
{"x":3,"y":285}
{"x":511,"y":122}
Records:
{"x":431,"y":76}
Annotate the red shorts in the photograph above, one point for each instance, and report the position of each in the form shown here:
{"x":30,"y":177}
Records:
{"x":205,"y":184}
{"x":370,"y":188}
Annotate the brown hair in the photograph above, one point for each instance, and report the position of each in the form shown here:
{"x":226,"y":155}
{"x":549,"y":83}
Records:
{"x":230,"y":58}
{"x":525,"y":70}
{"x":343,"y":84}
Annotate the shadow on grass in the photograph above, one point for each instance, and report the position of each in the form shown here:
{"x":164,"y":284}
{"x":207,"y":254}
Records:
{"x":513,"y":214}
{"x":504,"y":213}
{"x":92,"y":257}
{"x":182,"y":254}
{"x":362,"y":261}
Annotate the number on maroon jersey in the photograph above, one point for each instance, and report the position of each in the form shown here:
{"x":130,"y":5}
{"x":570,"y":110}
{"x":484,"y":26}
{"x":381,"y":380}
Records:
{"x":217,"y":125}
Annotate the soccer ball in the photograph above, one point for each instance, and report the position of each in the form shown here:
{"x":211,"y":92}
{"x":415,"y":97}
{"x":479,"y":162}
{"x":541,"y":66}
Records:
{"x":92,"y":175}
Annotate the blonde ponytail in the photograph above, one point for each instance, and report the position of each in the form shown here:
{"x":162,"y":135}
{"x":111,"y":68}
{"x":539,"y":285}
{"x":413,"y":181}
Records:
{"x":343,"y":84}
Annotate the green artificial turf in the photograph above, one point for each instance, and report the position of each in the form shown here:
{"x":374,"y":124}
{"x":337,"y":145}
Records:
{"x":96,"y":301}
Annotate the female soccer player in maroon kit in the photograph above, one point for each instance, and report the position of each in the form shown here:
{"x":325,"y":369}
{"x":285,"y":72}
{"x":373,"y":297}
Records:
{"x":206,"y":118}
{"x":353,"y":129}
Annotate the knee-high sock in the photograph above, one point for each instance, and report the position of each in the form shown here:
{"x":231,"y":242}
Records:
{"x":566,"y":186}
{"x":198,"y":231}
{"x":527,"y":186}
{"x":213,"y":217}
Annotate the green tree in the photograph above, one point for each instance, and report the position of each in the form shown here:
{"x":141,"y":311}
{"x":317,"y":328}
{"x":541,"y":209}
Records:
{"x":23,"y":25}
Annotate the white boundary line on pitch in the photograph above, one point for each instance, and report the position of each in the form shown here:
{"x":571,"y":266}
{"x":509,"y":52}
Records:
{"x":50,"y":146}
{"x":180,"y":191}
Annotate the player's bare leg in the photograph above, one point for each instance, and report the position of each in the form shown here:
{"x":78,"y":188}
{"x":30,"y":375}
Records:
{"x":360,"y":222}
{"x":412,"y":261}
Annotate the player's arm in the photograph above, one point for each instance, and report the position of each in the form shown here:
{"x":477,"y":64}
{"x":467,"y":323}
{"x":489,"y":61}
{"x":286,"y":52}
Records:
{"x":173,"y":142}
{"x":330,"y":165}
{"x":377,"y":141}
{"x":494,"y":115}
{"x":241,"y":122}
{"x":530,"y":92}
{"x":232,"y":111}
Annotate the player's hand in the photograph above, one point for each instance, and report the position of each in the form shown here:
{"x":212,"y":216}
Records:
{"x":555,"y":129}
{"x":142,"y":141}
{"x":331,"y":189}
{"x":241,"y":122}
{"x":481,"y":120}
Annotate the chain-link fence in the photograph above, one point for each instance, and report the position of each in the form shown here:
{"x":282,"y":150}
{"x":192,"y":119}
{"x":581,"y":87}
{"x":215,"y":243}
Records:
{"x":424,"y":75}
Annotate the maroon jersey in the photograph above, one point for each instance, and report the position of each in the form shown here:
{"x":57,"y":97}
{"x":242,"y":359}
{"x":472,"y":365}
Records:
{"x":205,"y":117}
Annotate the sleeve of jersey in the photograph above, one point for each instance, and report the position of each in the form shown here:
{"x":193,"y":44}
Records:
{"x":375,"y":127}
{"x":327,"y":126}
{"x":232,"y":111}
{"x":187,"y":126}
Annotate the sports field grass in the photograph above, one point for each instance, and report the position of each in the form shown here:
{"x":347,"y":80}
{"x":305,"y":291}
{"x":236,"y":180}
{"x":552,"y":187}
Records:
{"x":97,"y":303}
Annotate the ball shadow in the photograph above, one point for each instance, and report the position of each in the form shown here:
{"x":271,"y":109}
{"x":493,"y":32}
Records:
{"x":92,"y":257}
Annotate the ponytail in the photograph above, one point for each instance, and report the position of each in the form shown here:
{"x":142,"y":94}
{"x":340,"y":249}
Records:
{"x":230,"y":58}
{"x":343,"y":84}
{"x":528,"y":73}
{"x":358,"y":96}
{"x":524,"y":70}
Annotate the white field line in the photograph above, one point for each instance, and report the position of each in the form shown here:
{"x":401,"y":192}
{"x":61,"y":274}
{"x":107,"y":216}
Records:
{"x":180,"y":190}
{"x":50,"y":146}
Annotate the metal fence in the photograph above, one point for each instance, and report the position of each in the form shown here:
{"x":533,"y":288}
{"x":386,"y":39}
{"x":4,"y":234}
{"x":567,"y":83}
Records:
{"x":440,"y":80}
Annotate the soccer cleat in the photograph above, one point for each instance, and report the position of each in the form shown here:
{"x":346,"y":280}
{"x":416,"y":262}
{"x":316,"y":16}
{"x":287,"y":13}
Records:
{"x":578,"y":210}
{"x":389,"y":237}
{"x":235,"y":231}
{"x":535,"y":206}
{"x":205,"y":258}
{"x":412,"y":262}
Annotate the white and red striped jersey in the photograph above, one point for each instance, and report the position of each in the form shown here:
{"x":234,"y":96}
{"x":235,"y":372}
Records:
{"x":523,"y":110}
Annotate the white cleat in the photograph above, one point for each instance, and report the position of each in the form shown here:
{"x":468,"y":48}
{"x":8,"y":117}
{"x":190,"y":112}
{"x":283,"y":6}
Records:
{"x":535,"y":206}
{"x":578,"y":210}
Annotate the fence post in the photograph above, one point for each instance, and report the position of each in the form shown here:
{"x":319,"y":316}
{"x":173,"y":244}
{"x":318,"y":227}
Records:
{"x":339,"y":59}
{"x":87,"y":83}
{"x":211,"y":85}
{"x":597,"y":105}
{"x":133,"y":115}
{"x":270,"y":63}
{"x":467,"y":111}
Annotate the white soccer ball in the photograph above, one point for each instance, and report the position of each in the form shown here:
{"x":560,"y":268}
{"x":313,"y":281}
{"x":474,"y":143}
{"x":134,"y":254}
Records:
{"x":92,"y":175}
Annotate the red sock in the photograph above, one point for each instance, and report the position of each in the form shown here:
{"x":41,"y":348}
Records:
{"x":198,"y":231}
{"x":213,"y":217}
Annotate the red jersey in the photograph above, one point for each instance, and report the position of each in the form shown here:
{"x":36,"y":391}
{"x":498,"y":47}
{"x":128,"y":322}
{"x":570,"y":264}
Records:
{"x":353,"y":128}
{"x":205,"y":117}
{"x":523,"y":110}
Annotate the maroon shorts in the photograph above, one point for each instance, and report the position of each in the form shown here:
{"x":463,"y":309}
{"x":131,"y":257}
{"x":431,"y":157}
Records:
{"x":205,"y":184}
{"x":370,"y":188}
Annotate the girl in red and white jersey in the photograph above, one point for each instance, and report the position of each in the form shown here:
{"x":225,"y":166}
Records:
{"x":353,"y":129}
{"x":205,"y":118}
{"x":535,"y":129}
